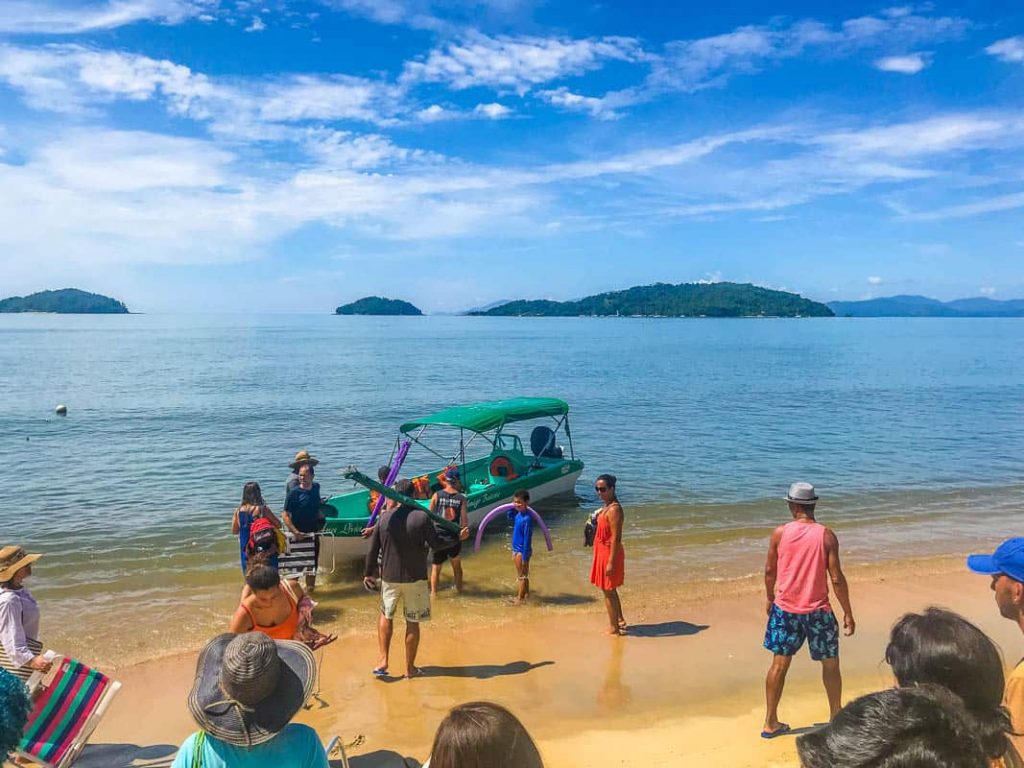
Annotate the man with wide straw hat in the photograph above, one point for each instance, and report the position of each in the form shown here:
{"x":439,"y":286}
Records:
{"x":303,"y":457}
{"x":20,"y":649}
{"x":247,"y":689}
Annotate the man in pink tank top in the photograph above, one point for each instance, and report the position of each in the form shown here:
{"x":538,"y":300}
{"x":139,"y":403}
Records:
{"x":802,"y":556}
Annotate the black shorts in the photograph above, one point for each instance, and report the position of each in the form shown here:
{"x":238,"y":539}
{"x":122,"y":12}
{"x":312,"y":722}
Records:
{"x":443,"y":554}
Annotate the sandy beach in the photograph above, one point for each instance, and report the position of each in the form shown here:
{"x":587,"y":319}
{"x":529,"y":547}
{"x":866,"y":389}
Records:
{"x":686,"y":685}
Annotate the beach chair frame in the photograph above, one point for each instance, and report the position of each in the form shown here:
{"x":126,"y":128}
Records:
{"x":336,"y":745}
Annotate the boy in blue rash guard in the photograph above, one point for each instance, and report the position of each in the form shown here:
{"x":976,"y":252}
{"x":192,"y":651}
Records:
{"x":522,"y":541}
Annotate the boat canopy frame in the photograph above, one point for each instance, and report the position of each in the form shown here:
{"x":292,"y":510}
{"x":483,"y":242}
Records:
{"x":480,"y":419}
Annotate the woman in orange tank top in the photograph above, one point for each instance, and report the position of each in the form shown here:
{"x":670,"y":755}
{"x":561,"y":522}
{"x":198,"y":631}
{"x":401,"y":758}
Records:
{"x":270,"y":606}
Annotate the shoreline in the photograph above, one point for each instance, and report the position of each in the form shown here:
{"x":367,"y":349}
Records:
{"x":688,"y":683}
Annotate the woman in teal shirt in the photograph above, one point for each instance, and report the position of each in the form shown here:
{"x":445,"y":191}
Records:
{"x":247,"y":689}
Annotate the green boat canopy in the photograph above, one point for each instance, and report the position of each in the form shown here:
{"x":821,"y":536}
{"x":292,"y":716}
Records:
{"x":483,"y":417}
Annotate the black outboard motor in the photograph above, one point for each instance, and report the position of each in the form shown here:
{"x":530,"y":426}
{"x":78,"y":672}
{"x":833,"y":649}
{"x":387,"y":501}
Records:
{"x":542,"y":443}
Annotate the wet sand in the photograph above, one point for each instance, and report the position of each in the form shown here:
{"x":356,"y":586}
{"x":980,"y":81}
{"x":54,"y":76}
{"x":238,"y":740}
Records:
{"x":687,"y":684}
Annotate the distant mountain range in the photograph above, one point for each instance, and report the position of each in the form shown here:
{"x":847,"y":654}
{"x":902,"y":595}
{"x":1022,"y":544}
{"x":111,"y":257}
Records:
{"x":375,"y":305}
{"x":666,"y":300}
{"x":66,"y":301}
{"x":922,"y":306}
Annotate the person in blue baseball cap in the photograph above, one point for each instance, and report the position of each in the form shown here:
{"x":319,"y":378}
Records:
{"x":1006,"y":567}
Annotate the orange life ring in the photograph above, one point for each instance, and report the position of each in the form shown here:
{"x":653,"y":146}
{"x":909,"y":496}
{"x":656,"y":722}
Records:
{"x":502,"y":466}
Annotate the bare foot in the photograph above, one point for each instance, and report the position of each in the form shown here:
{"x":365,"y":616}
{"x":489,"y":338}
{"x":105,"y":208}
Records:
{"x":616,"y":631}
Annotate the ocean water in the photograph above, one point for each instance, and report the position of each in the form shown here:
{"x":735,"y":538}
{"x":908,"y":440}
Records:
{"x":912,"y":430}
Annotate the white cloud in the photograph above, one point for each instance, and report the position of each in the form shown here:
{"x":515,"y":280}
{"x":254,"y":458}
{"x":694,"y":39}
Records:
{"x":874,"y":280}
{"x":433,"y":113}
{"x":493,"y":111}
{"x":257,"y":25}
{"x":997,"y":204}
{"x":73,"y":78}
{"x":1010,"y":50}
{"x":516,"y":63}
{"x":945,"y":133}
{"x":566,"y":99}
{"x":77,"y":16}
{"x":987,"y":290}
{"x":909,"y":64}
{"x":692,"y":65}
{"x":118,"y":161}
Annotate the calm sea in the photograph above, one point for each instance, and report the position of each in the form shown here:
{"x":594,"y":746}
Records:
{"x":913,"y":431}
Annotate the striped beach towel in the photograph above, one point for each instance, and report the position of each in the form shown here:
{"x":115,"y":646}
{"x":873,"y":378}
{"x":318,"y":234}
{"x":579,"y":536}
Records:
{"x":24,"y":672}
{"x":67,"y":706}
{"x":300,"y":558}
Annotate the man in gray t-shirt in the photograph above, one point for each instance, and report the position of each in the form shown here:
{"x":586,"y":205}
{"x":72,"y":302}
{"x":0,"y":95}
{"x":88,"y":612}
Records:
{"x":401,"y":538}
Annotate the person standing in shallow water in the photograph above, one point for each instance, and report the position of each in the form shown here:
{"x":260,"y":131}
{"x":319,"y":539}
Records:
{"x":802,"y":556}
{"x":608,"y":571}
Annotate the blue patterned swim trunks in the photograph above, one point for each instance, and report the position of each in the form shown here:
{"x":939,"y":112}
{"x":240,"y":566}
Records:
{"x":786,"y":632}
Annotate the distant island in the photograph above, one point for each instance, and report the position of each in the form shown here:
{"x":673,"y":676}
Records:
{"x":666,"y":300}
{"x":375,"y":305}
{"x":67,"y":301}
{"x":922,"y":306}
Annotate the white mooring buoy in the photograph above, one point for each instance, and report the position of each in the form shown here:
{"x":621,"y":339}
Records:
{"x":61,"y":410}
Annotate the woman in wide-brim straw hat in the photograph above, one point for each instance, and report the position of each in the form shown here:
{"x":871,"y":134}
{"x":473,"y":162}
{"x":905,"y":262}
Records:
{"x":246,"y":691}
{"x":20,"y":649}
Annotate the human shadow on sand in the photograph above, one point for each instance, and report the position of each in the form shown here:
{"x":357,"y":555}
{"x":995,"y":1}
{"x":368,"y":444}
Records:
{"x":126,"y":756}
{"x":484,"y":671}
{"x":665,"y":629}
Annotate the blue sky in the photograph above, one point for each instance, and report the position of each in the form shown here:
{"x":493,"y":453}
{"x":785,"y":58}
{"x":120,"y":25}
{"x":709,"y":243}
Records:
{"x":228,"y":155}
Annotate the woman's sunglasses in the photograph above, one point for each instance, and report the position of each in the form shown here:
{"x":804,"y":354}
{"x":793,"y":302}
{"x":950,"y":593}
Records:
{"x":600,"y":488}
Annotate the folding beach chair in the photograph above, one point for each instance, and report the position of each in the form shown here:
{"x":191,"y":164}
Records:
{"x":68,"y":703}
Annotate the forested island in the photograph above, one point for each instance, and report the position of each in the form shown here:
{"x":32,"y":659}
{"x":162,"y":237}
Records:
{"x":66,"y":301}
{"x":667,"y":300}
{"x":375,"y":305}
{"x":922,"y":306}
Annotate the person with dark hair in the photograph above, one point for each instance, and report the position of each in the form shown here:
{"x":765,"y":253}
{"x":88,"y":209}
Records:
{"x":522,"y":541}
{"x":251,"y":509}
{"x":270,"y":605}
{"x":608,"y":568}
{"x":802,"y":556}
{"x":304,"y":519}
{"x":480,"y":734}
{"x":1006,"y":567}
{"x":923,"y":727}
{"x":400,"y":541}
{"x":450,"y":502}
{"x":942,"y":648}
{"x":14,"y":710}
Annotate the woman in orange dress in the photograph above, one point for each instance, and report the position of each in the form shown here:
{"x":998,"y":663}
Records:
{"x":609,"y":568}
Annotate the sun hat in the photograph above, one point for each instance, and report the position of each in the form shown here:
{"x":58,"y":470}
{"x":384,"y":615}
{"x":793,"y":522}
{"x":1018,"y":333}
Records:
{"x":248,"y":687}
{"x":303,"y":457}
{"x":802,"y":493}
{"x":12,"y":560}
{"x":1008,"y":558}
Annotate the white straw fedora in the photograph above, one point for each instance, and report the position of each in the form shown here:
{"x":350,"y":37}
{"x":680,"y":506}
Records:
{"x":802,"y":493}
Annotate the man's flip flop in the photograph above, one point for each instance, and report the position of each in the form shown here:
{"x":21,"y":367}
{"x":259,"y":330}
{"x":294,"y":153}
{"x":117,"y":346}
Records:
{"x":380,"y":672}
{"x":783,"y":728}
{"x":416,"y":672}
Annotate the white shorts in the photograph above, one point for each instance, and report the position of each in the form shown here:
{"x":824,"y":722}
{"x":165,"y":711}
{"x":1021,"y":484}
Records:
{"x":415,"y":596}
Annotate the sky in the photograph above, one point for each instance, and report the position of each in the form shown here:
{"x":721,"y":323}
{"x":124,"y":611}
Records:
{"x":279,"y":156}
